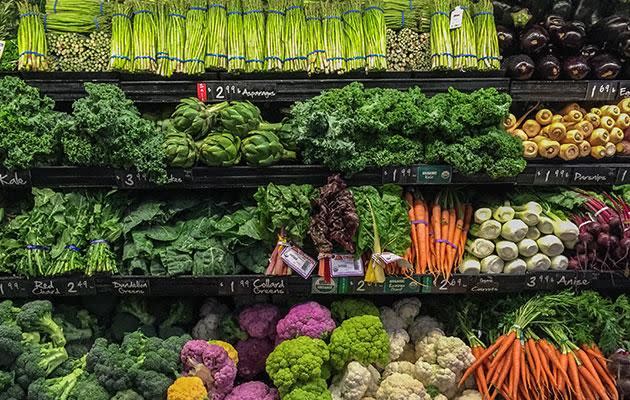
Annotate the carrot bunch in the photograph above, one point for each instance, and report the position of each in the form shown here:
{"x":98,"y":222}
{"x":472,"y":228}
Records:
{"x":438,"y":232}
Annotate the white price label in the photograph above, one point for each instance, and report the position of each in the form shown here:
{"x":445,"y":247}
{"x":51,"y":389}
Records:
{"x":345,"y":265}
{"x":457,"y":15}
{"x":1,"y":48}
{"x":386,"y":258}
{"x":298,"y":261}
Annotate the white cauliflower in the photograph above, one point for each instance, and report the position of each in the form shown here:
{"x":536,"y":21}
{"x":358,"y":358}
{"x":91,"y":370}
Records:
{"x":421,"y":326}
{"x":407,"y":309}
{"x":442,"y":378}
{"x":207,"y":328}
{"x":356,"y":382}
{"x":470,"y":395}
{"x":440,"y":396}
{"x":400,"y":387}
{"x":454,"y":354}
{"x":426,"y":348}
{"x":212,"y":306}
{"x":399,"y":367}
{"x":391,"y":320}
{"x":398,"y":338}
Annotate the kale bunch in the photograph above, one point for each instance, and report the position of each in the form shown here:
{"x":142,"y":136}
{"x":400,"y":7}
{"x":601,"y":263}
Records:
{"x":106,"y":129}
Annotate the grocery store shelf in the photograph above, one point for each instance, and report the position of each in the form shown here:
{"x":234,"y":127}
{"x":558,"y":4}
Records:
{"x":564,"y":91}
{"x":250,"y":285}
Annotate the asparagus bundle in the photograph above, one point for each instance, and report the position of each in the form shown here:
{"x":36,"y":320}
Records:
{"x":333,"y":38}
{"x":216,"y":52}
{"x":354,"y":48}
{"x":295,"y":37}
{"x":487,"y":39}
{"x":316,"y":53}
{"x":254,"y":32}
{"x":463,"y":38}
{"x":408,"y":50}
{"x":143,"y":36}
{"x":196,"y":33}
{"x":274,"y":31}
{"x":375,"y":34}
{"x":412,"y":14}
{"x":162,"y":55}
{"x":31,"y":39}
{"x":76,"y":16}
{"x":236,"y":42}
{"x":120,"y":54}
{"x":441,"y":48}
{"x":176,"y":41}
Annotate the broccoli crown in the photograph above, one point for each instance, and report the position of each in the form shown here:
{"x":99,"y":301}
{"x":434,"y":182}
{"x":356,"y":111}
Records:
{"x":7,"y":311}
{"x":127,"y":395}
{"x":77,"y":349}
{"x":37,"y":316}
{"x":151,"y":384}
{"x":163,"y":356}
{"x":314,"y":390}
{"x":7,"y":379}
{"x":111,"y":366}
{"x":37,"y":362}
{"x":88,"y":388}
{"x":297,"y":361}
{"x":73,"y":333}
{"x":14,"y":392}
{"x":361,"y":339}
{"x":10,"y":344}
{"x":54,"y":388}
{"x":348,"y":308}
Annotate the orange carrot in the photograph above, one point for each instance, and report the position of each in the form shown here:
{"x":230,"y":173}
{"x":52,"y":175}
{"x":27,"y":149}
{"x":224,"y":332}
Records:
{"x":515,"y":377}
{"x":546,"y":370}
{"x":524,"y":375}
{"x":551,"y":356}
{"x":505,"y":346}
{"x":437,"y":232}
{"x":468,"y":216}
{"x":503,"y":372}
{"x":564,"y":364}
{"x":426,"y":230}
{"x":480,"y":375}
{"x":574,"y":378}
{"x":486,"y":354}
{"x":421,"y":228}
{"x":443,"y":236}
{"x":592,"y":382}
{"x":456,"y":225}
{"x":607,"y":379}
{"x":586,"y":362}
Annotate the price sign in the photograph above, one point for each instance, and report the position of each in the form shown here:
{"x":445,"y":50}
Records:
{"x":602,"y":90}
{"x":400,"y":175}
{"x":178,"y":177}
{"x":458,"y":284}
{"x":434,"y":174}
{"x":623,"y":176}
{"x":131,"y":286}
{"x":401,"y":285}
{"x":14,"y":287}
{"x":359,"y":286}
{"x":320,"y":286}
{"x":64,"y":287}
{"x":239,"y":90}
{"x":624,"y":89}
{"x":552,"y":176}
{"x":484,"y":284}
{"x":132,"y":180}
{"x":14,"y":179}
{"x":593,"y":176}
{"x":345,"y":265}
{"x":298,"y":261}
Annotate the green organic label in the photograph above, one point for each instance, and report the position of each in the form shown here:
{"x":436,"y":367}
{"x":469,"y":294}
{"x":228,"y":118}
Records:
{"x":434,"y":174}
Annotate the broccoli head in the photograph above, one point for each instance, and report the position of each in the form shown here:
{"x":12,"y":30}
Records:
{"x":14,"y":392}
{"x":8,"y":312}
{"x":138,"y":308}
{"x":88,"y":388}
{"x":10,"y":344}
{"x":7,"y":379}
{"x":361,"y":339}
{"x":151,"y":384}
{"x":37,"y":316}
{"x":348,"y":308}
{"x":111,"y":366}
{"x":54,"y":388}
{"x":37,"y":362}
{"x":127,"y":395}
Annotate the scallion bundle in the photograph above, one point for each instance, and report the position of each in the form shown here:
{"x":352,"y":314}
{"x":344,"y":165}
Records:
{"x":216,"y":51}
{"x":76,"y":16}
{"x":236,"y":42}
{"x":463,"y":38}
{"x":144,"y":33}
{"x":295,"y":37}
{"x":441,"y":48}
{"x":162,"y":9}
{"x":120,"y":54}
{"x":316,"y":53}
{"x":31,"y":39}
{"x":375,"y":36}
{"x":254,"y":32}
{"x":274,"y":32}
{"x":176,"y":41}
{"x":333,"y":38}
{"x":486,"y":33}
{"x":196,"y":34}
{"x":354,"y":47}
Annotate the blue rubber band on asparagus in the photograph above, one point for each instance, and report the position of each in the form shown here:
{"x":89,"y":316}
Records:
{"x":377,"y":8}
{"x":253,"y":12}
{"x":483,"y":13}
{"x":351,"y":12}
{"x":214,"y":5}
{"x":116,"y":56}
{"x":234,"y":13}
{"x":182,"y":16}
{"x":31,"y":53}
{"x":101,"y":7}
{"x":73,"y":248}
{"x":197,"y":8}
{"x":55,"y":7}
{"x":144,"y":58}
{"x":236,"y":58}
{"x":374,"y":55}
{"x":440,"y":13}
{"x":28,"y":14}
{"x":274,"y":58}
{"x":332,"y":17}
{"x":294,"y":8}
{"x":216,"y":55}
{"x":275,"y":12}
{"x":402,"y":19}
{"x":141,"y":12}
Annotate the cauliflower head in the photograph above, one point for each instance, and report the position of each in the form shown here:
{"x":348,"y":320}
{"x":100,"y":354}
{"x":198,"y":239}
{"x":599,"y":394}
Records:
{"x":443,"y":379}
{"x":399,"y":367}
{"x":253,"y":391}
{"x":422,"y":326}
{"x":391,"y":320}
{"x":361,"y":339}
{"x":253,"y":353}
{"x":259,"y":320}
{"x":232,"y":353}
{"x":208,"y":327}
{"x":400,"y":387}
{"x":355,"y":382}
{"x":407,"y":309}
{"x":187,"y":388}
{"x":309,"y":319}
{"x":454,"y":354}
{"x":397,"y":340}
{"x":426,"y":348}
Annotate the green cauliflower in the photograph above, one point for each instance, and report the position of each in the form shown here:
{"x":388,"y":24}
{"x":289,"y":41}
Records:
{"x":361,"y":339}
{"x":314,"y":390}
{"x":347,"y":308}
{"x":220,"y":150}
{"x":296,"y":362}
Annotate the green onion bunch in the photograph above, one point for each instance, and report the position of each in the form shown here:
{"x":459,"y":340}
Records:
{"x":295,"y":37}
{"x":121,"y":44}
{"x":441,"y":48}
{"x":236,"y":42}
{"x":333,"y":38}
{"x":77,"y":16}
{"x":487,"y":39}
{"x":316,"y":52}
{"x":274,"y":31}
{"x":254,"y":32}
{"x":463,"y":38}
{"x":31,"y":39}
{"x":144,"y":35}
{"x":176,"y":41}
{"x":354,"y":47}
{"x":196,"y":37}
{"x":162,"y":9}
{"x":375,"y":36}
{"x":216,"y":51}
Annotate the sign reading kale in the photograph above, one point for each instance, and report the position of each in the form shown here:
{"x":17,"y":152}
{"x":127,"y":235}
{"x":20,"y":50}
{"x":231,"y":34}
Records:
{"x":434,"y":174}
{"x":14,"y":178}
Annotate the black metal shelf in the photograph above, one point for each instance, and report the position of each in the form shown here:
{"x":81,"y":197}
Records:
{"x":254,"y":285}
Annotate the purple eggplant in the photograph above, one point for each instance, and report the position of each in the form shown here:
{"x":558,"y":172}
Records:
{"x":609,"y":29}
{"x":563,"y":9}
{"x":506,"y":40}
{"x":622,"y":45}
{"x":576,"y":68}
{"x":553,"y":23}
{"x":548,"y":68}
{"x":569,"y":37}
{"x":520,"y":67}
{"x":605,"y":66}
{"x":534,"y":39}
{"x":589,"y":51}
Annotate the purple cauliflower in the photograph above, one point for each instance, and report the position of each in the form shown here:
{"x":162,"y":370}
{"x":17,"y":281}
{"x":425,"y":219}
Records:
{"x":252,"y":353}
{"x":309,"y":319}
{"x":212,"y":365}
{"x":259,"y":320}
{"x":253,"y":391}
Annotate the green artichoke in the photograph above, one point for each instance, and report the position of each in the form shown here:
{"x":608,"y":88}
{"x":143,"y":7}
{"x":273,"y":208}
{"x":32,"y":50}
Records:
{"x":287,"y":136}
{"x":240,"y":118}
{"x":220,"y":150}
{"x":180,"y":149}
{"x":195,"y":118}
{"x":263,"y":148}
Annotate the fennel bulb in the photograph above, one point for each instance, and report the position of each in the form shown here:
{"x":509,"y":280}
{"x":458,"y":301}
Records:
{"x":527,"y":247}
{"x":480,"y":247}
{"x":492,"y":265}
{"x":550,"y":245}
{"x":514,"y":230}
{"x":517,"y":266}
{"x":482,"y":215}
{"x":559,"y":263}
{"x":508,"y":251}
{"x":538,"y":262}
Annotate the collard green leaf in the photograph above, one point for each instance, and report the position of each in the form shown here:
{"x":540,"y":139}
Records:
{"x":175,"y":262}
{"x":215,"y":260}
{"x":146,"y":211}
{"x":163,"y":233}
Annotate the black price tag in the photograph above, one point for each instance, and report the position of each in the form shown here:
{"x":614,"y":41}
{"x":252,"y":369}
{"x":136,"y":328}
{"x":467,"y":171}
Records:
{"x":624,"y":89}
{"x":359,"y":286}
{"x":484,"y":284}
{"x":395,"y":285}
{"x":132,"y":180}
{"x":602,"y":90}
{"x":253,"y":286}
{"x":552,"y":176}
{"x":241,"y":90}
{"x":457,"y":284}
{"x":178,"y":177}
{"x":131,"y":286}
{"x":14,"y":179}
{"x":320,"y":286}
{"x":623,"y":176}
{"x":549,"y":280}
{"x":594,"y":176}
{"x":434,"y":174}
{"x":15,"y":287}
{"x":400,"y":175}
{"x":64,"y":287}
